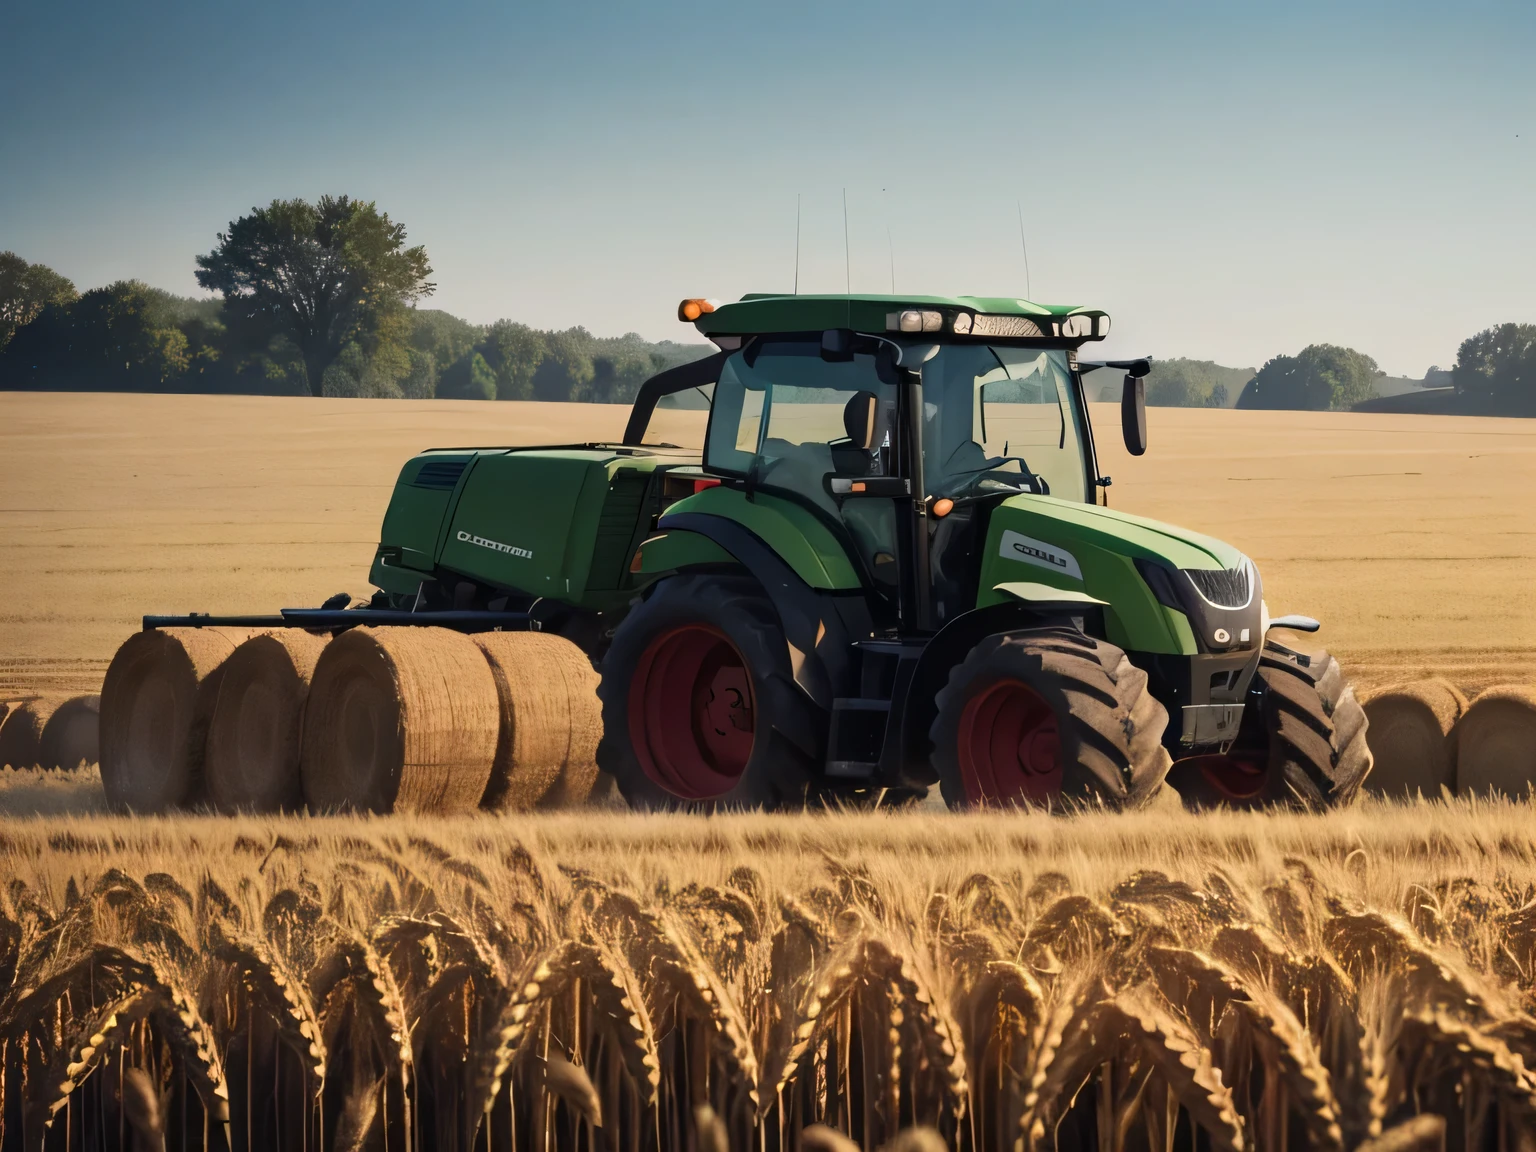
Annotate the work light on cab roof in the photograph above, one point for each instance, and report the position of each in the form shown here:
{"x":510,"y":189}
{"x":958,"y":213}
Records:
{"x":974,"y":317}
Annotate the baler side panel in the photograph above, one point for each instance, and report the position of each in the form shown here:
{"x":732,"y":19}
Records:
{"x":514,"y":521}
{"x":418,"y":508}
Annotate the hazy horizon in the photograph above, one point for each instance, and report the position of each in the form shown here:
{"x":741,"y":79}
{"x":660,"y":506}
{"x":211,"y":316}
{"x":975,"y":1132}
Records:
{"x":1229,"y":184}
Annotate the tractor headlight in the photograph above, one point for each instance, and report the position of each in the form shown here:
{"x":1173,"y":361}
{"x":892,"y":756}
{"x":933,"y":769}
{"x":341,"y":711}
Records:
{"x":962,"y":324}
{"x":915,"y":320}
{"x":1077,"y":327}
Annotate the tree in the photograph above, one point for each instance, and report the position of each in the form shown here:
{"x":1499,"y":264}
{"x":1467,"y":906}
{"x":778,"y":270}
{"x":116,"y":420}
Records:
{"x":323,"y":275}
{"x":566,"y":371}
{"x":111,"y":339}
{"x":1319,"y":377}
{"x":470,"y":378}
{"x":25,"y":290}
{"x":514,"y":352}
{"x":1169,"y":386}
{"x":1181,"y":383}
{"x":1496,"y":370}
{"x":445,"y":337}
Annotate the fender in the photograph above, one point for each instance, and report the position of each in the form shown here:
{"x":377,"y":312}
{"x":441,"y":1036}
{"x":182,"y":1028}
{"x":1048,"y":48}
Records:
{"x":820,"y":648}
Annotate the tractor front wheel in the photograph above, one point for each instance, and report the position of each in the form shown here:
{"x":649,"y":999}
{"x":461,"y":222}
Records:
{"x":1048,"y":715}
{"x":700,"y":707}
{"x":1302,"y":742}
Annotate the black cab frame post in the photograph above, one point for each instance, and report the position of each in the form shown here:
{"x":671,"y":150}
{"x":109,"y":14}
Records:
{"x":915,"y":587}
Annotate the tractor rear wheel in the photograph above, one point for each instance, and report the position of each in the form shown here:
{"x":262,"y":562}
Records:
{"x":1302,"y":742}
{"x":1045,"y":716}
{"x":700,"y":706}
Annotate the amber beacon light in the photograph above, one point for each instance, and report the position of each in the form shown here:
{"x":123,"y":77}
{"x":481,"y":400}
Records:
{"x":692,"y":308}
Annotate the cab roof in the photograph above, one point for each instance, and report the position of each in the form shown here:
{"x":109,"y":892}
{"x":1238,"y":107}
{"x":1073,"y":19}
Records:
{"x":763,"y":312}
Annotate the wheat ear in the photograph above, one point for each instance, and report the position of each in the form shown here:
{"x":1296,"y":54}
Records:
{"x":95,"y":1038}
{"x":1186,"y":1065}
{"x":1290,"y":1046}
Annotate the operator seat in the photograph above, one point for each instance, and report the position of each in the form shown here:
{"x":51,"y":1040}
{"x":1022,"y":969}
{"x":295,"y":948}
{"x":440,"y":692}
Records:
{"x":867,"y":421}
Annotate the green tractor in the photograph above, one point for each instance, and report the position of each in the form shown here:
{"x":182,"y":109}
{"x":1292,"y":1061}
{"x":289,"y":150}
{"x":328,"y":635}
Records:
{"x":886,"y":562}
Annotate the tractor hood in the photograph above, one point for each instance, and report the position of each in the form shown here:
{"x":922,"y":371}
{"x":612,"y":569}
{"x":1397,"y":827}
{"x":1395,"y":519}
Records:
{"x":1135,"y":536}
{"x":1164,"y":589}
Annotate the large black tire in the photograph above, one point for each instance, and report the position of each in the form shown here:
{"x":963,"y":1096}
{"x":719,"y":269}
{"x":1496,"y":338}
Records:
{"x":678,"y":731}
{"x":1302,"y":742}
{"x":1108,"y":728}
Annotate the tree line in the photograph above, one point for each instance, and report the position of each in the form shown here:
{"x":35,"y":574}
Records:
{"x":325,"y":299}
{"x":320,"y":298}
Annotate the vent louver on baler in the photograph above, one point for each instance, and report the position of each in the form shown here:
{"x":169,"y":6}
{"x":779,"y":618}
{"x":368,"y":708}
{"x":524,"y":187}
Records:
{"x":442,"y":474}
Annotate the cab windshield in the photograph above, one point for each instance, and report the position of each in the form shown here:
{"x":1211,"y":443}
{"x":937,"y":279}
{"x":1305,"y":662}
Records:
{"x":995,"y":419}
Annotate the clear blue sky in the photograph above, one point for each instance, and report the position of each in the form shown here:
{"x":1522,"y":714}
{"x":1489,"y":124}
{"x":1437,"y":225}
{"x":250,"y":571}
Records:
{"x":1231,"y":180}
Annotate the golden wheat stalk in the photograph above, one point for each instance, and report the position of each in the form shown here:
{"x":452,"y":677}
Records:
{"x":1072,"y":1038}
{"x":188,"y":1034}
{"x":1186,"y":1066}
{"x":491,"y":1053}
{"x":1287,"y":1046}
{"x":98,"y":1034}
{"x":285,"y":1000}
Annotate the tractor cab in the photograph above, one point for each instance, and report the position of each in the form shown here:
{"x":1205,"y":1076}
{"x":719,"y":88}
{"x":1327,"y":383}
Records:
{"x":899,"y":436}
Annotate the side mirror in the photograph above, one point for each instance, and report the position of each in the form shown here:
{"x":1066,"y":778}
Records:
{"x":1133,"y":414}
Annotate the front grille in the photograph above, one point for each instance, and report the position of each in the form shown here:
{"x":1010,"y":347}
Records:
{"x":440,"y":473}
{"x":1227,"y":588}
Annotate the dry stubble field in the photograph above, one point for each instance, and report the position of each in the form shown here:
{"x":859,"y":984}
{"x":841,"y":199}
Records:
{"x":1412,"y":538}
{"x":610,"y":981}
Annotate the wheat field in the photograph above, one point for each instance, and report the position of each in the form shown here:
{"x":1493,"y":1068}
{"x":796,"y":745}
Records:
{"x":593,"y":981}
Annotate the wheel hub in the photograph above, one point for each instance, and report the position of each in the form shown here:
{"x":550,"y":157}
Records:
{"x":1237,"y":778}
{"x":691,"y":715}
{"x":1009,"y":746}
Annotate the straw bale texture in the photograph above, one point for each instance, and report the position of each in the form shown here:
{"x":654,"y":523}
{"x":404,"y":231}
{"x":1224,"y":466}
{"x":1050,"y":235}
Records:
{"x":551,"y":721}
{"x":1496,"y":742}
{"x":399,"y":719}
{"x":253,"y":740}
{"x":156,"y":702}
{"x":72,"y":735}
{"x":1412,"y":737}
{"x":22,"y":734}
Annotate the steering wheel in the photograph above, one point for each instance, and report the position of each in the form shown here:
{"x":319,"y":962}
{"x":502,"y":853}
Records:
{"x":974,"y":476}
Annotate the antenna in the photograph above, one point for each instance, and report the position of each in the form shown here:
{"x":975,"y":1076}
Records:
{"x":889,"y":243}
{"x":847,"y":260}
{"x":797,"y":243}
{"x":1028,"y":291}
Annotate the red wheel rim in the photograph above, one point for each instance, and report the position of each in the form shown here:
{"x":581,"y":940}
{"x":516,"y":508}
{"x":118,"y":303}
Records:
{"x":1009,"y":746}
{"x":1235,"y":777}
{"x":691,"y":713}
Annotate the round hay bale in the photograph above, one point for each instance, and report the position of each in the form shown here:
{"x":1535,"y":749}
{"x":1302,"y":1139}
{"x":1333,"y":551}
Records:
{"x":21,"y":736}
{"x":253,"y":740}
{"x":399,"y":719}
{"x":1411,"y":731}
{"x":72,"y":736}
{"x":1496,"y":742}
{"x":551,"y":721}
{"x":156,"y":702}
